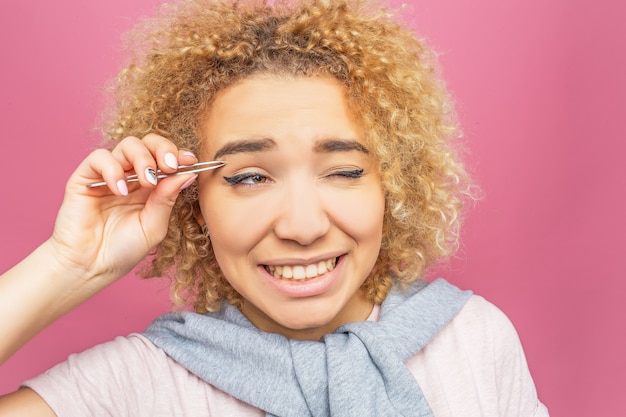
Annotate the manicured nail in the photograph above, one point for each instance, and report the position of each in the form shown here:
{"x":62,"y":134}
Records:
{"x":122,"y":187}
{"x":190,"y":154}
{"x":188,"y":182}
{"x":151,"y":176}
{"x":170,"y":160}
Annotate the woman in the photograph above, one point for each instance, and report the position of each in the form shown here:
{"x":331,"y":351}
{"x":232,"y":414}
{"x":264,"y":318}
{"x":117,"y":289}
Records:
{"x":301,"y":255}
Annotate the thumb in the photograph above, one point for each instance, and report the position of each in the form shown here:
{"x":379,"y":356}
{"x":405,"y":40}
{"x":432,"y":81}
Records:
{"x":158,"y":208}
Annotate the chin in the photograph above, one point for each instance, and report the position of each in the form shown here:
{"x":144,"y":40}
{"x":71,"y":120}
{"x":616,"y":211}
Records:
{"x":309,"y":321}
{"x":305,"y":324}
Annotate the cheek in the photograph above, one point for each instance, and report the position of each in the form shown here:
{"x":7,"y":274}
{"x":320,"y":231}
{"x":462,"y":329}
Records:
{"x":235,"y":224}
{"x":361,"y":216}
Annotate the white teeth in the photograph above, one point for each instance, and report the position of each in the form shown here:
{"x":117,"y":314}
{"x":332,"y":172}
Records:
{"x":311,"y":271}
{"x":287,"y":272}
{"x":300,"y":272}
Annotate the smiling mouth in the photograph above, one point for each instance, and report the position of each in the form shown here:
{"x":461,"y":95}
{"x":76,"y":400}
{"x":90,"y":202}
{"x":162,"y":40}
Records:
{"x":300,"y":272}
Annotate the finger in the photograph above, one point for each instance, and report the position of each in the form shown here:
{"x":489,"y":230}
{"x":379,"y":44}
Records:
{"x":158,"y":207}
{"x":133,"y":155}
{"x":164,"y":151}
{"x":99,"y":164}
{"x":186,"y":157}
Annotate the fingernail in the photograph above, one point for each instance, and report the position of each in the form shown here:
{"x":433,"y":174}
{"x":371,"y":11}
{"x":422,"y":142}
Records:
{"x":188,"y":182}
{"x":122,"y":187}
{"x":170,"y":160}
{"x":151,"y":176}
{"x":190,"y":154}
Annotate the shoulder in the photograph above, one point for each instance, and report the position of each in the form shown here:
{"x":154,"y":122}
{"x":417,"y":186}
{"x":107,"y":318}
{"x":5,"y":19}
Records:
{"x":480,"y":332}
{"x":130,"y":376}
{"x":476,"y":366}
{"x":115,"y":371}
{"x":109,"y":357}
{"x":483,"y":325}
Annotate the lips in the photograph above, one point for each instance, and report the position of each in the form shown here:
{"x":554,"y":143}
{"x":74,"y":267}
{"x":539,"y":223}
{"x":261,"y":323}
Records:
{"x":301,"y":272}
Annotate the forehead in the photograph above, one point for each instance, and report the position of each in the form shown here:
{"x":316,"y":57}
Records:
{"x":265,"y":106}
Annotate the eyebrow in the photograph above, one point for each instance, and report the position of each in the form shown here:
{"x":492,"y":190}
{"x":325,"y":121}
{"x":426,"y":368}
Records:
{"x":245,"y":146}
{"x":263,"y":145}
{"x":339,"y":145}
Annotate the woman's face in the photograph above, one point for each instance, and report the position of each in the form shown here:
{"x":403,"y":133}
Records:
{"x":295,"y":216}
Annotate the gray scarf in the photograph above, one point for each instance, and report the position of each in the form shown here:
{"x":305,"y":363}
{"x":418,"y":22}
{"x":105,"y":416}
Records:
{"x":358,"y":370}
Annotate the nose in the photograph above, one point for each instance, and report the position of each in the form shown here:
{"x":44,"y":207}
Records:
{"x":303,"y":216}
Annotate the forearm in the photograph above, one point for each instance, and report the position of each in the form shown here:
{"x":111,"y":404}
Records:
{"x":35,"y":293}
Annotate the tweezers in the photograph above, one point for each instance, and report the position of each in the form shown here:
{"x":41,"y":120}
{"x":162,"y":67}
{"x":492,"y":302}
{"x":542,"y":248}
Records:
{"x":182,"y":169}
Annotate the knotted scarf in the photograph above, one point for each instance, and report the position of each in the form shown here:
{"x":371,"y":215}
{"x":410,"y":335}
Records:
{"x":358,"y":370}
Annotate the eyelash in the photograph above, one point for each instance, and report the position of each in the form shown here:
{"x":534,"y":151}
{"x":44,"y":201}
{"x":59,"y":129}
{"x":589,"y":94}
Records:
{"x":354,"y":173}
{"x":239,"y":179}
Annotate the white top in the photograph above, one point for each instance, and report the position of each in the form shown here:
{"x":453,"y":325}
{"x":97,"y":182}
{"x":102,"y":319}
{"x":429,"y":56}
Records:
{"x":474,"y":367}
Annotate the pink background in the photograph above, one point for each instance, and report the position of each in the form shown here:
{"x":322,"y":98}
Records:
{"x":541,"y":94}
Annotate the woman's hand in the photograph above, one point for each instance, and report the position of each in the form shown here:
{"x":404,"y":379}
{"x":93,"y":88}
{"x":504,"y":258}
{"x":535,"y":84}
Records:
{"x":101,"y":233}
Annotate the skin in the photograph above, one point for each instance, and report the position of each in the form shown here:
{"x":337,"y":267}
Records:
{"x":296,"y":153}
{"x":100,"y":234}
{"x":301,"y":209}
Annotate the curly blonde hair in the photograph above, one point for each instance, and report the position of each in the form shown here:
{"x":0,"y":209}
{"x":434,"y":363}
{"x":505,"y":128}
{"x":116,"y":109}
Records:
{"x":195,"y":48}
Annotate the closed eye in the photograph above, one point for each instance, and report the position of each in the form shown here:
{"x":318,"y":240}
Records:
{"x":353,"y":173}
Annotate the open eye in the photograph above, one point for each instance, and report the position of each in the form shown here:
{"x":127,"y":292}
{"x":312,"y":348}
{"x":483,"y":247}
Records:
{"x":247,"y":178}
